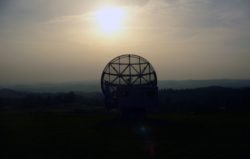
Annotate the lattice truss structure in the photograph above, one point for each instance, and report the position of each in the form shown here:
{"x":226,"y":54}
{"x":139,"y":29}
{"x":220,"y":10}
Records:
{"x":128,"y":70}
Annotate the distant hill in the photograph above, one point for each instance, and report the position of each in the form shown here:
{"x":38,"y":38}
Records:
{"x":86,"y":86}
{"x":184,"y":84}
{"x":94,"y":86}
{"x":206,"y":99}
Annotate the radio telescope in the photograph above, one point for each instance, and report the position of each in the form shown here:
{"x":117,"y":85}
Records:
{"x":129,"y":83}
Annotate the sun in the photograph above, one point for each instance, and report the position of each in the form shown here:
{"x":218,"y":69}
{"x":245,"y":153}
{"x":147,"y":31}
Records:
{"x":110,"y":19}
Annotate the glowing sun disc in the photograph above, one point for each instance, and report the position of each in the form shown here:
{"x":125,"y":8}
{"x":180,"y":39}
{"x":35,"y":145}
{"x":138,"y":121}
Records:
{"x":110,"y":19}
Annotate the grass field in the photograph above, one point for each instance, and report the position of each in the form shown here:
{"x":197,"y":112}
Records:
{"x":81,"y":135}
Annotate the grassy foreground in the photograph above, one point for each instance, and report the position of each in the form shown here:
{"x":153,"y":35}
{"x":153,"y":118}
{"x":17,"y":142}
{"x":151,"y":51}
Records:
{"x":81,"y":135}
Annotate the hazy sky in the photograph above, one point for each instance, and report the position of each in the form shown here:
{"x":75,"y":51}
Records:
{"x":59,"y":40}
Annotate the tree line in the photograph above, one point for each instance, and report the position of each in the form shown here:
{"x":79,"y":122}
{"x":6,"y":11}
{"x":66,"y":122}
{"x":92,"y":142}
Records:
{"x":209,"y":99}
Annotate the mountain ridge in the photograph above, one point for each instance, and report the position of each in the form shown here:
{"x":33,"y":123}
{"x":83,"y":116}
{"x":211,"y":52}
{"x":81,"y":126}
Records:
{"x":94,"y":86}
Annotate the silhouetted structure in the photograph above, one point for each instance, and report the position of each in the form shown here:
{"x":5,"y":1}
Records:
{"x":129,"y":83}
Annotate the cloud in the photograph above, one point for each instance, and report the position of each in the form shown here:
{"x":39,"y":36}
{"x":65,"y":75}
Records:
{"x":20,"y":13}
{"x":173,"y":33}
{"x":208,"y":13}
{"x":132,"y":2}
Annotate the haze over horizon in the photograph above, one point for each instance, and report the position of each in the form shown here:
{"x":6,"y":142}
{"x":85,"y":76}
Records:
{"x":60,"y":40}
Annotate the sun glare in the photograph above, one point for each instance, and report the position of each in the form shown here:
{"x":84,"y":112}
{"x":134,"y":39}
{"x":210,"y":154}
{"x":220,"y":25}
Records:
{"x":110,"y":19}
